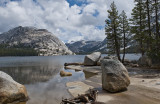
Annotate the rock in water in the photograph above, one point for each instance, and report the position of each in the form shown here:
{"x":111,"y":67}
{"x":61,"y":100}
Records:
{"x":40,"y":40}
{"x":92,"y":59}
{"x":63,"y":73}
{"x":144,"y":61}
{"x":10,"y":90}
{"x":115,"y":76}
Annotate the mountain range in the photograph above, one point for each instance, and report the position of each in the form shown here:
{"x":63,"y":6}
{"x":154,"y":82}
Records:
{"x":84,"y":47}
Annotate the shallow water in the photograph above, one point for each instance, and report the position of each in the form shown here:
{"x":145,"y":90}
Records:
{"x":41,"y":76}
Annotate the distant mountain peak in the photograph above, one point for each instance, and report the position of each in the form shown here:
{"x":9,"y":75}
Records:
{"x":40,"y":39}
{"x":83,"y":47}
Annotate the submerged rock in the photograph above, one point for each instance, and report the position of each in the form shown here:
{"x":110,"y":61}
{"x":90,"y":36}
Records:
{"x":114,"y":75}
{"x":144,"y":61}
{"x":10,"y":90}
{"x":92,"y":59}
{"x":63,"y":73}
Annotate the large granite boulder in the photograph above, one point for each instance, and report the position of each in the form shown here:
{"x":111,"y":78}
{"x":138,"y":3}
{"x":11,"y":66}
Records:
{"x":10,"y":90}
{"x":115,"y":76}
{"x":92,"y":59}
{"x":144,"y":61}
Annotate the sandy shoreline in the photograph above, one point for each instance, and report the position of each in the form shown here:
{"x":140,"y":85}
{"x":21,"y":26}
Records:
{"x":142,"y":90}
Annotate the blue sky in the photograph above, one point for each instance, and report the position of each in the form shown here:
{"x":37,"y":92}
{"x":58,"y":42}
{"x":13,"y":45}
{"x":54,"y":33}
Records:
{"x":77,"y":2}
{"x":69,"y":20}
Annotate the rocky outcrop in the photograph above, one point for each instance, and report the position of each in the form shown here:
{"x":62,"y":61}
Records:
{"x":11,"y":91}
{"x":144,"y":61}
{"x":114,"y":75}
{"x":40,"y":40}
{"x":92,"y":59}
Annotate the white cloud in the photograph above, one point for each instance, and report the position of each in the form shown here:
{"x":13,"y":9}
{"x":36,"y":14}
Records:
{"x":67,"y":23}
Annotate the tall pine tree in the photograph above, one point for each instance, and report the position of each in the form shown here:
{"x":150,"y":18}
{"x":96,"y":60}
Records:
{"x":139,"y":23}
{"x":154,"y":53}
{"x":112,"y":31}
{"x":125,"y":31}
{"x":149,"y":12}
{"x":156,"y":6}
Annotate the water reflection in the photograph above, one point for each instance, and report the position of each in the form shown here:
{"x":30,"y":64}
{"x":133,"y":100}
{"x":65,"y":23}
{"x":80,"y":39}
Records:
{"x":52,"y":91}
{"x":43,"y":83}
{"x":41,"y":76}
{"x":31,"y":74}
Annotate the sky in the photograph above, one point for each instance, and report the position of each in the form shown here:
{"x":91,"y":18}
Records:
{"x":69,"y":20}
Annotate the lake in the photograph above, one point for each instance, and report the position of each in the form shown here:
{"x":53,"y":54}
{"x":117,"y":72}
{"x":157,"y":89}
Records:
{"x":40,"y":75}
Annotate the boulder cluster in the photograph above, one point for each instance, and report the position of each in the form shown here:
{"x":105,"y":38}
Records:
{"x":115,"y":76}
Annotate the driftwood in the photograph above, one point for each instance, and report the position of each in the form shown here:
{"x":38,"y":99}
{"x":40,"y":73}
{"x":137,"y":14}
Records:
{"x":89,"y":98}
{"x":67,"y":64}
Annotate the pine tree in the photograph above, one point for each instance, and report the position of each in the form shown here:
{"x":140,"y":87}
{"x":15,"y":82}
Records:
{"x":112,"y":31}
{"x":148,"y":9}
{"x":154,"y":53}
{"x":125,"y":31}
{"x":139,"y":23}
{"x":156,"y":6}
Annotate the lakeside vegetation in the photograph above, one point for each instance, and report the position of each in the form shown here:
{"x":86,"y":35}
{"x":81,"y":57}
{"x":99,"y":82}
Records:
{"x":143,"y":27}
{"x":5,"y":50}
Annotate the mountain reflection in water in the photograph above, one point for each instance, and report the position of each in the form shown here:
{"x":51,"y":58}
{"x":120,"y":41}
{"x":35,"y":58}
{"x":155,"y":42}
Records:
{"x":31,"y":74}
{"x":41,"y":76}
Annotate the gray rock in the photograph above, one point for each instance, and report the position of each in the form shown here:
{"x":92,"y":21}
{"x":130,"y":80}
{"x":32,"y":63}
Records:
{"x":158,"y":83}
{"x":41,"y":40}
{"x":144,"y":61}
{"x":10,"y":90}
{"x":92,"y":59}
{"x":114,"y":75}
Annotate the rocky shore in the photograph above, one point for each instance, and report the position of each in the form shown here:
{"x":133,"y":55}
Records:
{"x":144,"y":85}
{"x":142,"y":90}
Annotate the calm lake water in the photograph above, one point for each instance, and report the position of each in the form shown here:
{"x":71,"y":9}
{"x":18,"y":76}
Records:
{"x":40,"y":75}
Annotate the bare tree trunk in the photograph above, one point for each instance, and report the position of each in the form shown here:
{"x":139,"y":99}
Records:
{"x":124,"y":45}
{"x":117,"y":49}
{"x":117,"y":45}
